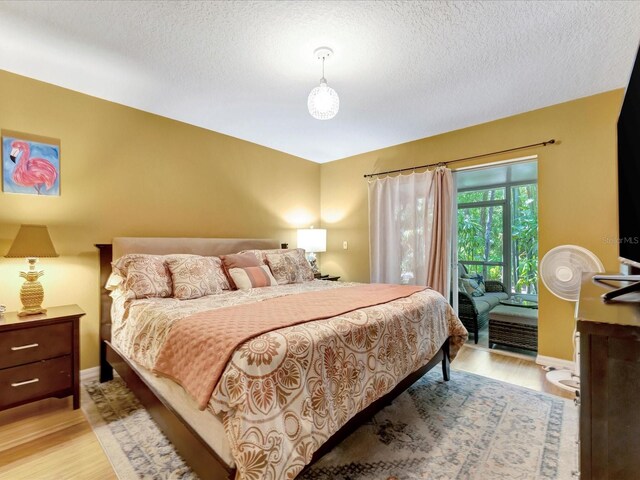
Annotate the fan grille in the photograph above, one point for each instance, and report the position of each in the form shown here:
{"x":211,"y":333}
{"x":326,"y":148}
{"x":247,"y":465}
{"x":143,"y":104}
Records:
{"x":562,"y":267}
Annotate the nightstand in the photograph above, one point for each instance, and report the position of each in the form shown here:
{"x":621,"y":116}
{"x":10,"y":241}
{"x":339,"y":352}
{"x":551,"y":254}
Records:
{"x":40,"y":356}
{"x":328,"y":277}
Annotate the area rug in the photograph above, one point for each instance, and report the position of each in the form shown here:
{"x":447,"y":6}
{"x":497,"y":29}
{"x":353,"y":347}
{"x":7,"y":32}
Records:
{"x":471,"y":427}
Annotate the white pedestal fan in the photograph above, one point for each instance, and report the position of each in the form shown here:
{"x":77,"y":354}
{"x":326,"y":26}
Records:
{"x":561,"y":272}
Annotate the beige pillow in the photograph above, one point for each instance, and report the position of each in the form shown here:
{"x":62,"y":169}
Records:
{"x":262,"y":254}
{"x":290,"y":267}
{"x":252,"y":277}
{"x":221,"y":277}
{"x":193,"y":276}
{"x":145,"y":276}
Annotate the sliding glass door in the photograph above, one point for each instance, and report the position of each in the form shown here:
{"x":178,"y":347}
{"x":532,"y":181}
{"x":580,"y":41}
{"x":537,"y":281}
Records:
{"x":497,"y":225}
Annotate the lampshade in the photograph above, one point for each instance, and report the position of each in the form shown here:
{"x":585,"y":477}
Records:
{"x":313,"y":240}
{"x":323,"y":102}
{"x":32,"y":241}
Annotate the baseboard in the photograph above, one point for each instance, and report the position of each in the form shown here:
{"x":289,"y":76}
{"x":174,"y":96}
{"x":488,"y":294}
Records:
{"x":89,"y":374}
{"x":555,"y":362}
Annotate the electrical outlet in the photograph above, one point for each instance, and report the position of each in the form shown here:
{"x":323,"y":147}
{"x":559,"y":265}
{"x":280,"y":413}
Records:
{"x":345,"y":245}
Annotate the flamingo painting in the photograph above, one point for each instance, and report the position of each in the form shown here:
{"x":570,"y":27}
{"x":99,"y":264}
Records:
{"x":31,"y":167}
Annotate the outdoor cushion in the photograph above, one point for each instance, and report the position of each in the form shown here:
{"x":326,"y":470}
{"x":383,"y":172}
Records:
{"x":482,"y":306}
{"x":493,"y":301}
{"x":498,"y":295}
{"x":473,"y":283}
{"x":516,"y":315}
{"x":470,"y":286}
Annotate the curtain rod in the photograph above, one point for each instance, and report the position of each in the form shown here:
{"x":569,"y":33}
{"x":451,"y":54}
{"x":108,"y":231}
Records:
{"x":539,"y":144}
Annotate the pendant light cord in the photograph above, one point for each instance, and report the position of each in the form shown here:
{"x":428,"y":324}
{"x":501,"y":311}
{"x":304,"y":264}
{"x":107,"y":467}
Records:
{"x":323,"y":68}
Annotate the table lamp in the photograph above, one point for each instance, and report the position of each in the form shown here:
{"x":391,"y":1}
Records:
{"x":32,"y":241}
{"x":313,"y":240}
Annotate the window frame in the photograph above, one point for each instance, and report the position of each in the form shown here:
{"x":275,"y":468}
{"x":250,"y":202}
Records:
{"x":507,"y":240}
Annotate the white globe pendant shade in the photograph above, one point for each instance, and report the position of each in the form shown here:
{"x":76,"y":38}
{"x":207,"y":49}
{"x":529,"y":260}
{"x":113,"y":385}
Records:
{"x":323,"y":102}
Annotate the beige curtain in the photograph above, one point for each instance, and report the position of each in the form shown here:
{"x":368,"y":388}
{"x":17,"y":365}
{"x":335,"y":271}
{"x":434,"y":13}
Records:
{"x":410,"y":229}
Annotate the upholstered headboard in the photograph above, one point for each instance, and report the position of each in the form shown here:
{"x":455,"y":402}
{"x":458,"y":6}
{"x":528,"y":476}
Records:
{"x":159,"y":246}
{"x":194,"y":246}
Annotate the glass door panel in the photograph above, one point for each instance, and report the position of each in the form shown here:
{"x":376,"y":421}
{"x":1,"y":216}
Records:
{"x":524,"y":239}
{"x":480,"y":238}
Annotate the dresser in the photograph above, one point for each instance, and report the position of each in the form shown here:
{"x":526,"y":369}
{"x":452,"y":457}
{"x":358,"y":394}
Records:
{"x":609,"y":385}
{"x":40,"y":356}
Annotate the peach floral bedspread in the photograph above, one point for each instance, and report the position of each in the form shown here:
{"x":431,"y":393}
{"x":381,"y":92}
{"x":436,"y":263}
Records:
{"x":284,"y":393}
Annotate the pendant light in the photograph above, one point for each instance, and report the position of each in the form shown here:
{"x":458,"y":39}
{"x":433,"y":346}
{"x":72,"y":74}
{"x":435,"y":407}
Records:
{"x":323,"y":102}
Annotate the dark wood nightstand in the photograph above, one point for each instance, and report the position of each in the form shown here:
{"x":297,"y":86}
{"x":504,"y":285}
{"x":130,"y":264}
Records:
{"x":331,"y":278}
{"x":40,"y":356}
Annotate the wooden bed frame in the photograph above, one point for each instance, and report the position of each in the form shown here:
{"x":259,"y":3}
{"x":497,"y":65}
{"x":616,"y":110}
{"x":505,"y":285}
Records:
{"x":196,"y":452}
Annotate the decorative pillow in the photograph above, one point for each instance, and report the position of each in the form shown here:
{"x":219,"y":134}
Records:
{"x":479,"y":279}
{"x":193,"y":276}
{"x":114,"y":281}
{"x":239,"y":260}
{"x":221,"y":277}
{"x":261,"y":254}
{"x":252,"y":277}
{"x":473,"y":284}
{"x":290,"y":267}
{"x":146,"y":276}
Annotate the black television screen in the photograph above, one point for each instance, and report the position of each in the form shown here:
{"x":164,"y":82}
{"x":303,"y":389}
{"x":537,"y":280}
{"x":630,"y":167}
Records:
{"x":629,"y":171}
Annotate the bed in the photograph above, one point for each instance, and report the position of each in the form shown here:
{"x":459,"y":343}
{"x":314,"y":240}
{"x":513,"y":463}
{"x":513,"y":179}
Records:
{"x":237,"y":433}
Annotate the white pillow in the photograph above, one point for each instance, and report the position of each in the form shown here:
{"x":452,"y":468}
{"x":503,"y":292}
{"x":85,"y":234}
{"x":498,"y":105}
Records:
{"x":114,"y":281}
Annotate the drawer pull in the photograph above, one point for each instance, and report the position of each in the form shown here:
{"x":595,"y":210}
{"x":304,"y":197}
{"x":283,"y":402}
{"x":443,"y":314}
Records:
{"x":26,"y":382}
{"x":24,"y":347}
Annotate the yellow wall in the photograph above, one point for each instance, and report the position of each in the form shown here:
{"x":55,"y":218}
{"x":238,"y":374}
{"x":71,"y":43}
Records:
{"x":576,"y":182}
{"x":125,"y":172}
{"x":130,"y":173}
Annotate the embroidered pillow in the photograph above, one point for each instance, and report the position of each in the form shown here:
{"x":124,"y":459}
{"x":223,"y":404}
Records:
{"x":262,"y":254}
{"x":290,"y":267}
{"x":252,"y":277}
{"x":239,"y":260}
{"x":145,"y":276}
{"x":221,"y":277}
{"x":193,"y":276}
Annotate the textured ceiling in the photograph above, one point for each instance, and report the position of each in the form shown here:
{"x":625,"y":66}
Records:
{"x":403,"y":70}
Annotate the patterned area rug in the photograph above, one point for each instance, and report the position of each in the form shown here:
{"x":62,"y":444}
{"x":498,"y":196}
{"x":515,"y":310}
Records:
{"x":469,"y":428}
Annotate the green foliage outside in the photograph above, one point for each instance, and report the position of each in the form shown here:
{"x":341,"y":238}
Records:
{"x":481,"y":233}
{"x":524,"y":238}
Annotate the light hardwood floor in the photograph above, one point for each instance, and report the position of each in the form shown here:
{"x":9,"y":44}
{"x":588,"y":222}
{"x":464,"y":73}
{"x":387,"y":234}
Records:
{"x":48,"y":440}
{"x":514,"y":370}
